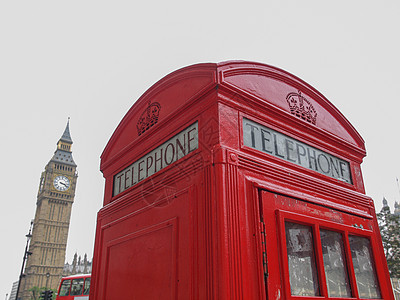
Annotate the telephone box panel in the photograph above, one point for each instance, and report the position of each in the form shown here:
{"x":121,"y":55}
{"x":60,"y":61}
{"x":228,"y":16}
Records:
{"x":236,"y":180}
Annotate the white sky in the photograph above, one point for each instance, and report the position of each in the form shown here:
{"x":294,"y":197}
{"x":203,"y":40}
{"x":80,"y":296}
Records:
{"x":90,"y":60}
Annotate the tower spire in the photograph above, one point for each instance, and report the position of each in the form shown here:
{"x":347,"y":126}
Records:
{"x":63,"y":154}
{"x":66,"y":137}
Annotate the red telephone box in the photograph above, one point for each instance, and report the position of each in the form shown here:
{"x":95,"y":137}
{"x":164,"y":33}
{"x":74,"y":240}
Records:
{"x":236,"y":180}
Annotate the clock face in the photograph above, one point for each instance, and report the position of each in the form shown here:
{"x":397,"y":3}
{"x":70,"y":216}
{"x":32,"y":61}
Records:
{"x":61,"y":183}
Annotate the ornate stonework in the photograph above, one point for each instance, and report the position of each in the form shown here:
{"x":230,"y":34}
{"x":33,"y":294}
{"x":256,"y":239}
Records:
{"x":55,"y":197}
{"x":78,"y":266}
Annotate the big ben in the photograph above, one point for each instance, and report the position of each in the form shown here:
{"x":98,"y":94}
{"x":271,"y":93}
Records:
{"x":52,"y":218}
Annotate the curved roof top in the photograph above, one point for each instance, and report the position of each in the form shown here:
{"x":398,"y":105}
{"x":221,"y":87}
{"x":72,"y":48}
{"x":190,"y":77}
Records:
{"x":264,"y":83}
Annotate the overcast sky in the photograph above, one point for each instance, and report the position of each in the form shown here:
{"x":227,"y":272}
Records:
{"x":91,"y":60}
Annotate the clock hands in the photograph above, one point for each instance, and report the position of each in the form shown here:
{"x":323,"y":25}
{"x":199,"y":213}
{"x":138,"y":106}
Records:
{"x":61,"y":183}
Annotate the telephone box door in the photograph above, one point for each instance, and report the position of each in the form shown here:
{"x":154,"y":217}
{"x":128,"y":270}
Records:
{"x":315,"y":251}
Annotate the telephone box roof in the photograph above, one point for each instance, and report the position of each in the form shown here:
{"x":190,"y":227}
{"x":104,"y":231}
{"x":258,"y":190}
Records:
{"x":253,"y":81}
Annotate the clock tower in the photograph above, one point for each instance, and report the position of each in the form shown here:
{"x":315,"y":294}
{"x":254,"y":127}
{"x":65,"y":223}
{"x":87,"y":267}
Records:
{"x":51,"y":224}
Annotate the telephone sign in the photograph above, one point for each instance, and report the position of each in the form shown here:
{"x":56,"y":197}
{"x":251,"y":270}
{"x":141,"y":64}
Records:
{"x":169,"y":152}
{"x":280,"y":145}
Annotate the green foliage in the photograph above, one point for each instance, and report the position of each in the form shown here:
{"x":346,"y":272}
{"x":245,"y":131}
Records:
{"x":389,"y":225}
{"x":36,"y":291}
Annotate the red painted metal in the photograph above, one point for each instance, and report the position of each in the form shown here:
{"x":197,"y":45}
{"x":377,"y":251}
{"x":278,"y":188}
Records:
{"x":208,"y":221}
{"x":74,"y":287}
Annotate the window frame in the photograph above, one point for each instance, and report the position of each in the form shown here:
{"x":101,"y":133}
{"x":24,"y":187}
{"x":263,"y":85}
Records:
{"x":316,"y":225}
{"x":86,"y":290}
{"x":82,"y":286}
{"x":69,"y":288}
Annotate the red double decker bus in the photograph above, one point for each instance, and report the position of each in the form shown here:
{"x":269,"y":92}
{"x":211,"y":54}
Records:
{"x":75,"y":287}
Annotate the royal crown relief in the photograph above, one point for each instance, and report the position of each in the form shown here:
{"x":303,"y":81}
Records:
{"x":301,"y":107}
{"x":149,"y":117}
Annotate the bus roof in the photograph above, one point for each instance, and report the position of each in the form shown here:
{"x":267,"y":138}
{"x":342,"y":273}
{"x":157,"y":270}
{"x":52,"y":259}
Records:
{"x":76,"y":276}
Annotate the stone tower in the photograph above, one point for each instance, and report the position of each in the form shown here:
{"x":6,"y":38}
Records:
{"x":56,"y":194}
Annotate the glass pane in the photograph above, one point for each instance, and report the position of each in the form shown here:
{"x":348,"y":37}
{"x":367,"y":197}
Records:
{"x":364,"y":267}
{"x":302,"y":269}
{"x":77,"y":286}
{"x":64,"y":290}
{"x":337,"y":279}
{"x":86,"y":290}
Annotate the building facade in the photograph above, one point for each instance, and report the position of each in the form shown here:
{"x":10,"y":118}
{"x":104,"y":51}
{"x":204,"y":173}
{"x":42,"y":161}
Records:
{"x":55,"y":197}
{"x":78,"y":266}
{"x":13,"y":294}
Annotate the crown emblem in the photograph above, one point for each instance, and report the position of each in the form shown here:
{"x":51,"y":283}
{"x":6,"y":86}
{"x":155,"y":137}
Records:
{"x":149,"y":117}
{"x":301,"y":107}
